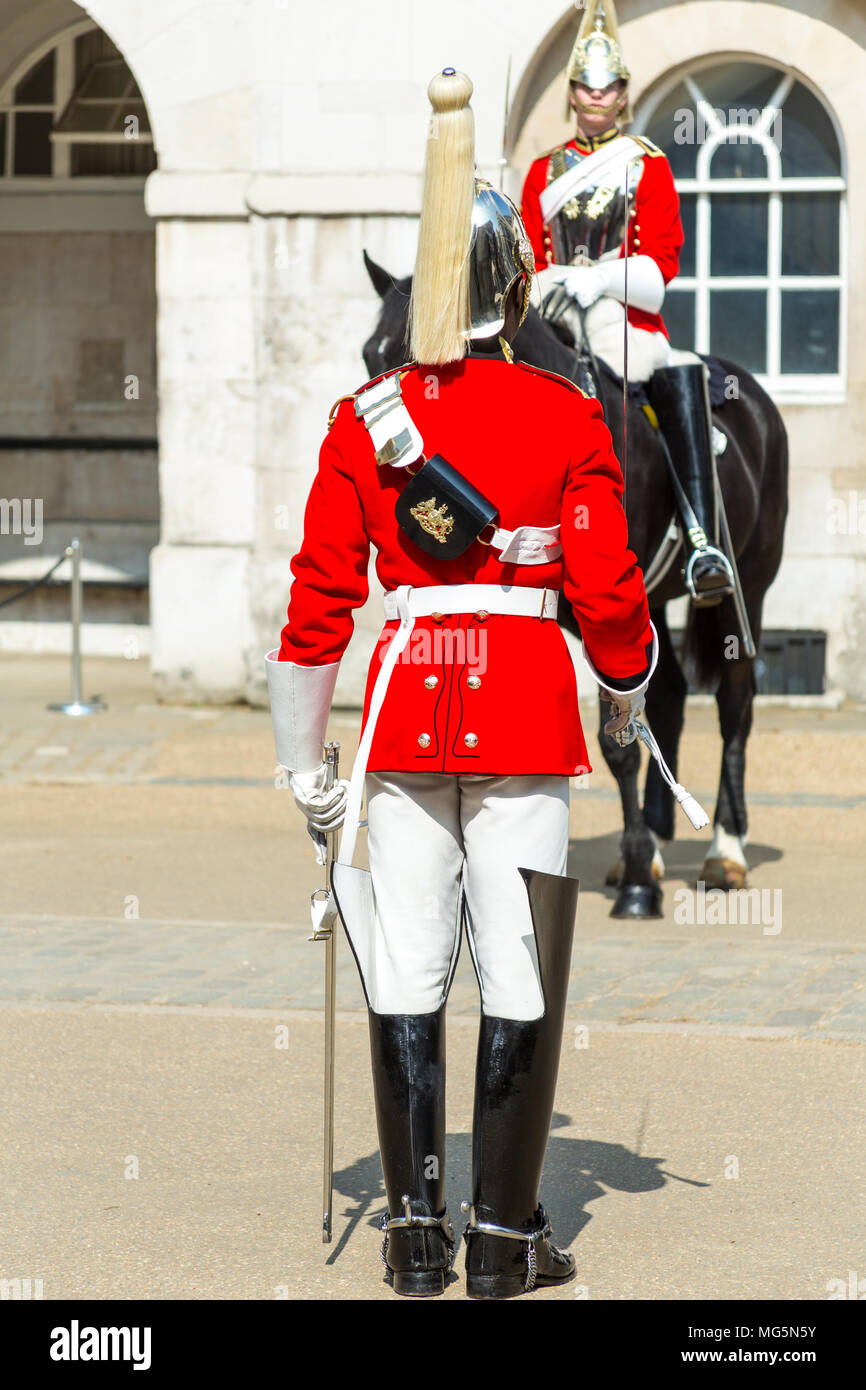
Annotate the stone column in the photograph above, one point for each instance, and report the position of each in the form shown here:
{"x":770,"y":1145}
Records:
{"x":314,"y":310}
{"x":200,"y":599}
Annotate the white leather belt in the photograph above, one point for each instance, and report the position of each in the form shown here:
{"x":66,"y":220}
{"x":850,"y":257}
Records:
{"x":515,"y":599}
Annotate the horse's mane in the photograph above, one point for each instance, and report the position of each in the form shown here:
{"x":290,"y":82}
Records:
{"x":537,"y":342}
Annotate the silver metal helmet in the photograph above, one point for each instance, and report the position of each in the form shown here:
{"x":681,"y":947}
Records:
{"x":499,"y":254}
{"x":597,"y":59}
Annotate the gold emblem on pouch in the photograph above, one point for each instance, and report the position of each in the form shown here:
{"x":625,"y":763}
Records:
{"x":435,"y":521}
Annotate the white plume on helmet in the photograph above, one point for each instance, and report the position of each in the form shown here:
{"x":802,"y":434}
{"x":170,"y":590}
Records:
{"x":474,"y":265}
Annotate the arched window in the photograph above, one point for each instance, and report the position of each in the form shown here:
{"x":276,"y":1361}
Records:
{"x":75,"y":112}
{"x":758,"y":165}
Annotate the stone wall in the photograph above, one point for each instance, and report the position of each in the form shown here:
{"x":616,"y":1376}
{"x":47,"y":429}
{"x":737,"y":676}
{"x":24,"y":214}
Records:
{"x":291,"y":137}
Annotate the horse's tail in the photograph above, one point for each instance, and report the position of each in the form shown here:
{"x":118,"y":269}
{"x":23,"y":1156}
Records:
{"x":704,"y":647}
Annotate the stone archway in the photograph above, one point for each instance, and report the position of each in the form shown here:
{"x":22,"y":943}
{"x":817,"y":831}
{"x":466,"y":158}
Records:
{"x":78,"y":382}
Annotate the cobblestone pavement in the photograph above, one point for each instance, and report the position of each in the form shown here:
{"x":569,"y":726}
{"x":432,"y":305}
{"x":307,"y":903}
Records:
{"x":813,"y":990}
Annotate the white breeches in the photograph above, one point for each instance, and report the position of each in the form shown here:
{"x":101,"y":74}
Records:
{"x":438,"y":844}
{"x":646,"y":351}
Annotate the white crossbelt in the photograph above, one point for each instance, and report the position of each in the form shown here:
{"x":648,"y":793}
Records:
{"x":407,"y":604}
{"x":608,"y":163}
{"x":398,"y":442}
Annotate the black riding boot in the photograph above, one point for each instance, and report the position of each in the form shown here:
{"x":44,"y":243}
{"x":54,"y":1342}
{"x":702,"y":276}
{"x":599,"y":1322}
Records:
{"x":508,"y":1246}
{"x":680,"y":399}
{"x":408,"y":1055}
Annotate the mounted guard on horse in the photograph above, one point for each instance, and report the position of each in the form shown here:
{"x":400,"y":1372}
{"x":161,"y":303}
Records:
{"x":672,"y":474}
{"x":602,"y":214}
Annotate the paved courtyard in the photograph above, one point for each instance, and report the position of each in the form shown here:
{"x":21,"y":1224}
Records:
{"x":153,"y":945}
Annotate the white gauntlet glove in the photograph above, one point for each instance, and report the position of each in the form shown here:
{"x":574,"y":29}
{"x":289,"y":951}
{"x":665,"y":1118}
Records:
{"x":626,"y":705}
{"x":300,"y":700}
{"x":324,"y":808}
{"x":624,"y":710}
{"x":585,"y":283}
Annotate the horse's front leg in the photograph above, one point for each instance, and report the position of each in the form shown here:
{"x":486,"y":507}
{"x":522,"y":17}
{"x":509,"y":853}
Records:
{"x":725,"y":865}
{"x":639,"y":895}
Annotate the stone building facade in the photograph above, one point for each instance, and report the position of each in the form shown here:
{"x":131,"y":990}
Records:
{"x":209,"y":292}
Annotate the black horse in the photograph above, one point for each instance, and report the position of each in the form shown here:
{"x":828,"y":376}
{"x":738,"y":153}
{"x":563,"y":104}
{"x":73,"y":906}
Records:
{"x":753,"y":474}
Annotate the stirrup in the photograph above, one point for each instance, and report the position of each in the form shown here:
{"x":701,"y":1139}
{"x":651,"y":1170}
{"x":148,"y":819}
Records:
{"x":721,"y":590}
{"x":487,"y":1228}
{"x":410,"y":1219}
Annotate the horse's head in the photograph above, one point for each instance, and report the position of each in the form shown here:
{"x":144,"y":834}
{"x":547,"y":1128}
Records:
{"x":386,"y":347}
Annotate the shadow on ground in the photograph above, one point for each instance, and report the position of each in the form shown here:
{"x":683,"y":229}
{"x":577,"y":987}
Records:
{"x":576,"y":1172}
{"x":590,"y":857}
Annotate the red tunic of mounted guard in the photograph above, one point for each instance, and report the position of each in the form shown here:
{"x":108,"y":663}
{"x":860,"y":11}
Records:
{"x":654,"y":230}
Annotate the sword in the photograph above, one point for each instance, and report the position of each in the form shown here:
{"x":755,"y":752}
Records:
{"x":324,"y":914}
{"x":625,"y":341}
{"x":739,"y":600}
{"x":503,"y":158}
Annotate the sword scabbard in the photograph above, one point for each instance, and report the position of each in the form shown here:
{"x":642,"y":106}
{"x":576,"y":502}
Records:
{"x":331,"y":758}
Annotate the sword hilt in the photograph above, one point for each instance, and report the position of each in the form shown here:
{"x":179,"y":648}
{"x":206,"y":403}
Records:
{"x":331,"y":759}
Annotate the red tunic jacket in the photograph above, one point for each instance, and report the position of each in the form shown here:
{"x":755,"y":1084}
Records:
{"x":654,"y":230}
{"x":540,"y":451}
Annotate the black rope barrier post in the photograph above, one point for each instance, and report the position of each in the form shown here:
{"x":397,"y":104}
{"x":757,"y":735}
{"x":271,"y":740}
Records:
{"x":76,"y":705}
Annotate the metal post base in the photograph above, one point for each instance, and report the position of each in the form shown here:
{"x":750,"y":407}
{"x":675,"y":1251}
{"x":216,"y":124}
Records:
{"x":78,"y":707}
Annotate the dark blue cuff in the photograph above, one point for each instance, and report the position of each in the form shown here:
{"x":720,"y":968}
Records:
{"x":628,"y":682}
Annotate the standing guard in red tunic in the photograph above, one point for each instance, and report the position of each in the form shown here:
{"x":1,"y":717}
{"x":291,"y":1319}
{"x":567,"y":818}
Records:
{"x":484,"y":487}
{"x":589,"y":204}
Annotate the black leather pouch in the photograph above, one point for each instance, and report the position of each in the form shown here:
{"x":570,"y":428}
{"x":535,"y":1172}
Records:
{"x":441,"y":512}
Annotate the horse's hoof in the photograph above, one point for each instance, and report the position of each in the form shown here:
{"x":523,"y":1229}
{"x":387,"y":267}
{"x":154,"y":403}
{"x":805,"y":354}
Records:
{"x":616,"y":871}
{"x":638,"y":900}
{"x":726,"y":874}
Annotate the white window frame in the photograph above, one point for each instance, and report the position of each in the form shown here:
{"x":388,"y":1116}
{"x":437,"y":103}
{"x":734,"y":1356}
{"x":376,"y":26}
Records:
{"x":63,"y":45}
{"x":811,"y":388}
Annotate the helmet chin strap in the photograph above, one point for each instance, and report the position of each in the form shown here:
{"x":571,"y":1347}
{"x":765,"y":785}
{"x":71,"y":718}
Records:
{"x":513,"y":315}
{"x":589,"y":109}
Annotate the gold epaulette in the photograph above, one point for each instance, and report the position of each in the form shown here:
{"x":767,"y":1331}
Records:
{"x":547,"y":153}
{"x":554,"y":376}
{"x":651,"y":150}
{"x":332,"y":414}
